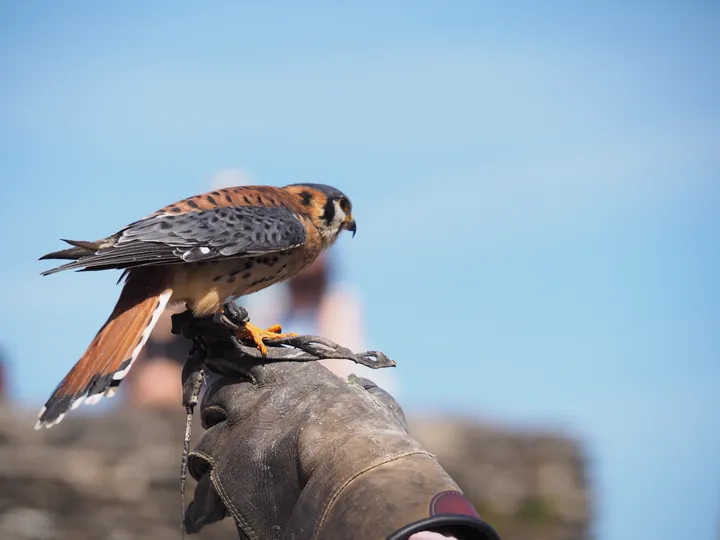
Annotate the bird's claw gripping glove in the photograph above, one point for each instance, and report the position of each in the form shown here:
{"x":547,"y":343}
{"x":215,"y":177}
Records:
{"x":291,"y":451}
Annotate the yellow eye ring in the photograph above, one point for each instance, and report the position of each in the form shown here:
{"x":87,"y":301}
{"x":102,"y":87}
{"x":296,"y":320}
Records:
{"x":345,"y":205}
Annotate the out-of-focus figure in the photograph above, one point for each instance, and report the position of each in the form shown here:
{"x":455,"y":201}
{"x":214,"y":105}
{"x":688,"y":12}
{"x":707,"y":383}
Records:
{"x":318,"y":302}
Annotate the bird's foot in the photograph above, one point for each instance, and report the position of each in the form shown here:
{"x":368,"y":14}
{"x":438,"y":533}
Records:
{"x":258,"y":335}
{"x":237,"y":319}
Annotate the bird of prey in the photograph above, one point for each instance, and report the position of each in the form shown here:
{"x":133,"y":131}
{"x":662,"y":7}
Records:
{"x":201,"y":251}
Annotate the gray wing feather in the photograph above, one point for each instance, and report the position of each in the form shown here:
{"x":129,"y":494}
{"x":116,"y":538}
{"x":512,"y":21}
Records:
{"x":236,"y":231}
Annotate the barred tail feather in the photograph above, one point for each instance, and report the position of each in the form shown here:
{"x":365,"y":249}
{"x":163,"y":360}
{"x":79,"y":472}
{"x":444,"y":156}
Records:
{"x":81,"y":249}
{"x":113,"y":350}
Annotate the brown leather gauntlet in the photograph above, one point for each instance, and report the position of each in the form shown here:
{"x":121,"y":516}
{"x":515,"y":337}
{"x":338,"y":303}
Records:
{"x":293,"y":452}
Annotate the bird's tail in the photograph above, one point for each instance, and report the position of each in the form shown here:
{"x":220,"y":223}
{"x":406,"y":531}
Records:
{"x":81,"y":248}
{"x":114,"y":349}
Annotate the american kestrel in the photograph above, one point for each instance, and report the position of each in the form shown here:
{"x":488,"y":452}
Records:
{"x":201,"y":251}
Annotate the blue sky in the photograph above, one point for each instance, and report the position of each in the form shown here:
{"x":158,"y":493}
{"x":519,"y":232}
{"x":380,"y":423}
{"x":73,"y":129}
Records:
{"x":540,"y":181}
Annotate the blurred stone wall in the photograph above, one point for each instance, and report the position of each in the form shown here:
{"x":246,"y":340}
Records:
{"x":116,"y":477}
{"x":528,"y":485}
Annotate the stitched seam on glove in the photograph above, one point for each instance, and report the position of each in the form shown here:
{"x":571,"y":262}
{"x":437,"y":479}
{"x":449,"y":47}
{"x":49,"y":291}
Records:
{"x":347,"y":482}
{"x":204,"y":456}
{"x":231,"y":508}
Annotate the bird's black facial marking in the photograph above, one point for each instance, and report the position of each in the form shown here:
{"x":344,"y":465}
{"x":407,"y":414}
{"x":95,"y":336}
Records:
{"x":324,"y":209}
{"x":306,"y":198}
{"x":329,"y":212}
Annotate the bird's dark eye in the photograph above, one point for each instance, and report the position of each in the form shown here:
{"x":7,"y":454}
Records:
{"x":345,"y":205}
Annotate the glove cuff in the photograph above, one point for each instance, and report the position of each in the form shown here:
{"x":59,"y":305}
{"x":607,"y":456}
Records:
{"x":395,"y":499}
{"x":450,"y":512}
{"x":460,"y":527}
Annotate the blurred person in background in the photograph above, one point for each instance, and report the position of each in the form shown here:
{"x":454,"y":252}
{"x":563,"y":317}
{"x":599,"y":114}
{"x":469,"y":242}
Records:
{"x":318,"y":302}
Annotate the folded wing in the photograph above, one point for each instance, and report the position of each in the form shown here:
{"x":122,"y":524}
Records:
{"x":228,"y":232}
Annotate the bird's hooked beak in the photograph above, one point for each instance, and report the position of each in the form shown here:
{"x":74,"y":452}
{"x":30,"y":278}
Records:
{"x":350,"y":225}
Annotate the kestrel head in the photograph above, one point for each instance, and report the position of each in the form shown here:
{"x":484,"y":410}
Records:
{"x":329,"y":209}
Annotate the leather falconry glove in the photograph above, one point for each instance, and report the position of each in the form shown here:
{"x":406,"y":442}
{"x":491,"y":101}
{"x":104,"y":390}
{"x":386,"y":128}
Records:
{"x":291,"y":451}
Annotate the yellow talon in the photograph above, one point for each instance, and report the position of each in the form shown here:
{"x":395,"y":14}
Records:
{"x":275,"y":329}
{"x":258,"y":335}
